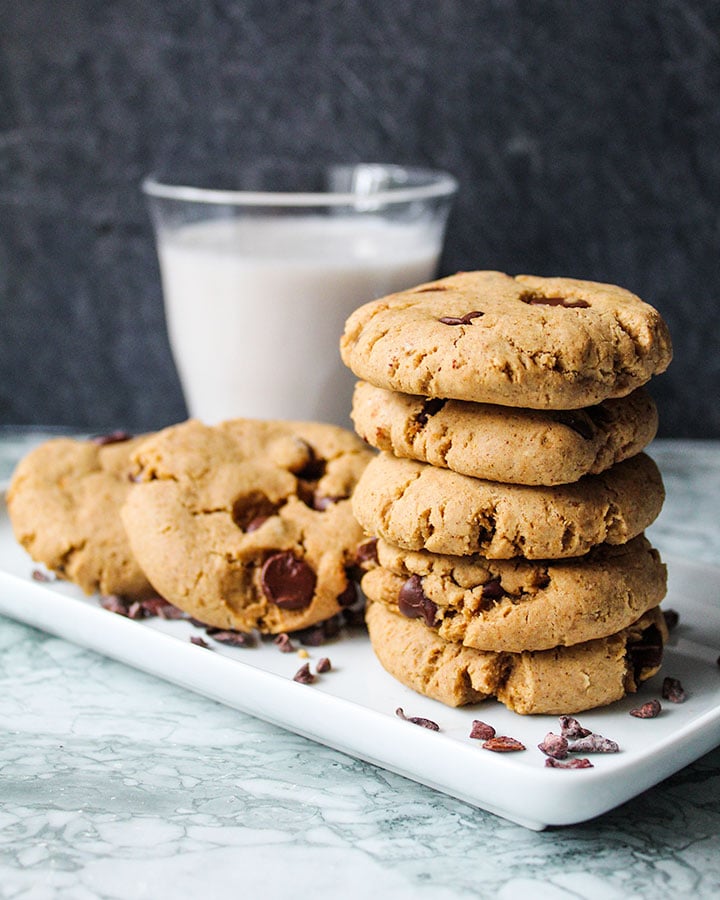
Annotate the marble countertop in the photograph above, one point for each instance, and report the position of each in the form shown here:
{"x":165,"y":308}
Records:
{"x":114,"y":784}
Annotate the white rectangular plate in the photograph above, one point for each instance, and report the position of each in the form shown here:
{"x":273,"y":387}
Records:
{"x":352,"y":708}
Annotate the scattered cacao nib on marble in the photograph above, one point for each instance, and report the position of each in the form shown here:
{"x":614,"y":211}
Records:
{"x":413,"y":603}
{"x":43,"y":577}
{"x":232,"y":638}
{"x":304,"y":675}
{"x":503,"y":744}
{"x":593,"y":743}
{"x":554,"y":745}
{"x":199,"y":642}
{"x":283,"y":643}
{"x":672,"y":617}
{"x":673,"y":690}
{"x":481,"y":731}
{"x":571,"y":729}
{"x":649,"y":710}
{"x":367,"y":553}
{"x":287,"y":581}
{"x":114,"y":437}
{"x":575,"y":763}
{"x":417,"y":720}
{"x":461,"y":320}
{"x":323,"y":665}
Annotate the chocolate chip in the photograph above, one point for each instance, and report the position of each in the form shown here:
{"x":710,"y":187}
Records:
{"x":481,"y":731}
{"x":673,"y":690}
{"x":461,"y":320}
{"x":672,"y":617}
{"x":323,"y":665}
{"x":429,"y":408}
{"x":367,"y":553}
{"x":503,"y":744}
{"x":413,"y":603}
{"x":314,"y":469}
{"x":649,"y":710}
{"x":349,"y":596}
{"x":492,"y":590}
{"x":304,"y":675}
{"x":417,"y":720}
{"x":249,"y":511}
{"x":287,"y":581}
{"x":647,"y":652}
{"x":199,"y":642}
{"x":284,"y":644}
{"x":255,"y":523}
{"x":114,"y":437}
{"x":593,"y":743}
{"x":539,"y":300}
{"x":577,"y":421}
{"x":554,"y":745}
{"x":571,"y":729}
{"x":576,"y":763}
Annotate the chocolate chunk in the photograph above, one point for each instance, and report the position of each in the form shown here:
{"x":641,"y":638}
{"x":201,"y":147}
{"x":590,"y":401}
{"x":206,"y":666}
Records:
{"x":571,"y":729}
{"x":250,"y":510}
{"x":417,"y":720}
{"x":481,"y":731}
{"x":503,"y":744}
{"x":429,"y":408}
{"x":287,"y":581}
{"x":349,"y":596}
{"x":492,"y":590}
{"x":413,"y":603}
{"x":576,"y":763}
{"x":323,"y":665}
{"x":284,"y":644}
{"x":367,"y":553}
{"x":577,"y":421}
{"x":673,"y":690}
{"x":649,"y":710}
{"x":672,"y":617}
{"x":114,"y":437}
{"x":304,"y":675}
{"x":567,"y":302}
{"x":593,"y":743}
{"x":461,"y":320}
{"x":554,"y":745}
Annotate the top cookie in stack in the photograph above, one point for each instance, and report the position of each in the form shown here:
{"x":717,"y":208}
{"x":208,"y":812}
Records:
{"x":512,"y":419}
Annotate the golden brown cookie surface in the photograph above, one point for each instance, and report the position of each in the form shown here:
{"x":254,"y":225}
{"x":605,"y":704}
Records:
{"x":542,"y":343}
{"x":559,"y":681}
{"x":501,"y":443}
{"x":64,"y":504}
{"x":417,"y":506}
{"x":515,"y":605}
{"x":248,"y":524}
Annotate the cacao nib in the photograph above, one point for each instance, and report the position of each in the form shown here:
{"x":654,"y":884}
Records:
{"x":199,"y":642}
{"x":503,"y":744}
{"x":593,"y":743}
{"x":232,"y":638}
{"x":304,"y":675}
{"x":576,"y":763}
{"x":284,"y":644}
{"x":417,"y":720}
{"x":649,"y":710}
{"x":554,"y":745}
{"x":571,"y":729}
{"x":673,"y":690}
{"x":39,"y":575}
{"x":481,"y":731}
{"x":323,"y":665}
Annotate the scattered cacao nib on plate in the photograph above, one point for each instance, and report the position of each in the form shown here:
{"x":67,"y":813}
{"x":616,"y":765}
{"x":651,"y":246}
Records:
{"x":481,"y":731}
{"x":554,"y":745}
{"x":232,"y":638}
{"x":199,"y":642}
{"x":672,"y":617}
{"x":649,"y":710}
{"x":304,"y":675}
{"x":503,"y":744}
{"x":158,"y":606}
{"x":283,"y":643}
{"x":417,"y":720}
{"x":43,"y":577}
{"x":593,"y":743}
{"x":673,"y":690}
{"x":323,"y":665}
{"x":575,"y":763}
{"x":571,"y":729}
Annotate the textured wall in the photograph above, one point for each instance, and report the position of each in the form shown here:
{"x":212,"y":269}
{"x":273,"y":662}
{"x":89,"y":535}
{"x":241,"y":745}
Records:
{"x":585,"y":135}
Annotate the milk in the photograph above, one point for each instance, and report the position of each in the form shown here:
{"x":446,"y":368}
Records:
{"x":255,"y":307}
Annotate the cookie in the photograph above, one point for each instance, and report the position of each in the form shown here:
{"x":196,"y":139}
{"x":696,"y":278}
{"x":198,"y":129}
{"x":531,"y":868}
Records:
{"x":64,"y":505}
{"x":542,"y":343}
{"x":248,"y":524}
{"x":417,"y":506}
{"x":515,"y":605}
{"x":499,"y":443}
{"x":554,"y":682}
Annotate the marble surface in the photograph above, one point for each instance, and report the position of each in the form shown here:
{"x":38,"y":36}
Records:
{"x":114,"y":784}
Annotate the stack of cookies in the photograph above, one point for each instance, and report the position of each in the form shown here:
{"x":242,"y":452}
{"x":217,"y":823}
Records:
{"x":246,"y":525}
{"x":511,"y":493}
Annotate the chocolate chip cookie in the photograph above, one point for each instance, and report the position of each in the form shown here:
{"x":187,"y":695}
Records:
{"x":64,"y":505}
{"x":554,"y":682}
{"x":541,"y":343}
{"x":515,"y":605}
{"x":248,"y":524}
{"x":500,"y":443}
{"x":417,"y":506}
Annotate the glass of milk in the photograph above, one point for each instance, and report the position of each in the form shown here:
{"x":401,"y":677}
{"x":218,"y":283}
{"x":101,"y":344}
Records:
{"x":260,"y":272}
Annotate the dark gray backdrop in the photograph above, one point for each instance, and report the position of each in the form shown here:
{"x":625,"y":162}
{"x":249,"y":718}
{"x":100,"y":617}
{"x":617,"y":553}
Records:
{"x":586,"y":136}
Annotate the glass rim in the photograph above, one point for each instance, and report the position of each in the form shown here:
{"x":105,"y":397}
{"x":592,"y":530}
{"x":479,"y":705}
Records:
{"x":439,"y":184}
